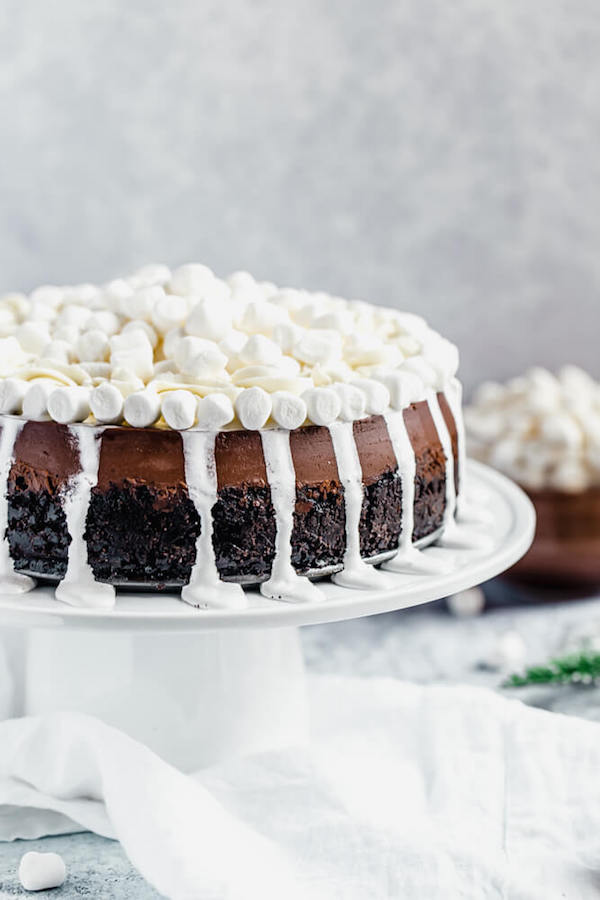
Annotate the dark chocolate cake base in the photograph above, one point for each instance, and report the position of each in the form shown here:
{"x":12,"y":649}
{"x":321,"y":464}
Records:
{"x":142,"y":526}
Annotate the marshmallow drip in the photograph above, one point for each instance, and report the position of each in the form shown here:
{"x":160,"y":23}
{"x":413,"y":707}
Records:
{"x":187,"y":351}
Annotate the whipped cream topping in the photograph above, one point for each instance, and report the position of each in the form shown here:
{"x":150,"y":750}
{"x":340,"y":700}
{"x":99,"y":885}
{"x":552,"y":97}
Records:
{"x":185,"y":349}
{"x":540,"y":429}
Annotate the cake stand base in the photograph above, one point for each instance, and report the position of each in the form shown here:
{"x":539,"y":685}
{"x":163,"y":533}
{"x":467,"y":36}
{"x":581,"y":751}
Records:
{"x":194,"y":699}
{"x":198,"y":686}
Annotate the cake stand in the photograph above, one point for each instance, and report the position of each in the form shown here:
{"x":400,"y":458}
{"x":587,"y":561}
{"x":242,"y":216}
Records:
{"x":198,"y":686}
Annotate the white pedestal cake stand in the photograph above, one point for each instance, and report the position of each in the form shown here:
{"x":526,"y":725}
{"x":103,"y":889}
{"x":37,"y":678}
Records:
{"x":200,"y":685}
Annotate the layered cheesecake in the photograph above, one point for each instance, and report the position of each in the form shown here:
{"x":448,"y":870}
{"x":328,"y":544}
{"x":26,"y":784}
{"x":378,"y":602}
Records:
{"x":177,"y":430}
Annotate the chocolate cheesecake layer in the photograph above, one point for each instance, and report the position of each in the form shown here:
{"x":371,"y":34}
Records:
{"x":142,"y":525}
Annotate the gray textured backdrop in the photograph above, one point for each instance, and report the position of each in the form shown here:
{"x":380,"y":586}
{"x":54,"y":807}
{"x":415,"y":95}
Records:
{"x":441,"y":156}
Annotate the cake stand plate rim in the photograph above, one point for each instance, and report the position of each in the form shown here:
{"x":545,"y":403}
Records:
{"x":164,"y":612}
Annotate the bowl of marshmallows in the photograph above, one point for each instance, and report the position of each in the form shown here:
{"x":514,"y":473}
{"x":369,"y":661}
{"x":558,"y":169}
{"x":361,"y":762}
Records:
{"x":543,"y":431}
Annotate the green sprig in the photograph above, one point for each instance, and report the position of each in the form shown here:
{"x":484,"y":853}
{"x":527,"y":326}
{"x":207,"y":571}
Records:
{"x":576,"y":668}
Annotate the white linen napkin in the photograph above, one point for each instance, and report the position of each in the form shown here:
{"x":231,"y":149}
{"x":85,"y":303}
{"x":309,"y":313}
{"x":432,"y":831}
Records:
{"x":404,"y":792}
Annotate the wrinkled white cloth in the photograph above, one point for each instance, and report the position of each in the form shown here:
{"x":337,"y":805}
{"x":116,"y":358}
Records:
{"x":403,"y":792}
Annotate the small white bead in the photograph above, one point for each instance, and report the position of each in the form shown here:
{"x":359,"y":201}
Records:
{"x":142,"y":409}
{"x":289,"y":410}
{"x":12,"y":392}
{"x":179,"y":409}
{"x":41,"y":871}
{"x":106,"y":403}
{"x":323,"y":405}
{"x":214,"y":412}
{"x":69,"y":404}
{"x":253,"y":408}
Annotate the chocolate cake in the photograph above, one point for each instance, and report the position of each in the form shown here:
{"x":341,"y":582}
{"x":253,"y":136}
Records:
{"x":173,"y":430}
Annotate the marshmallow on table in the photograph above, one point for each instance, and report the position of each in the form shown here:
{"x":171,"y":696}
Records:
{"x":107,"y":403}
{"x":253,"y":407}
{"x":179,"y":409}
{"x":142,"y":408}
{"x":41,"y":871}
{"x":69,"y":404}
{"x":214,"y":412}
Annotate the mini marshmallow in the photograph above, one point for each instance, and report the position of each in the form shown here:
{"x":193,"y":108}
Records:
{"x":154,"y":273}
{"x":323,"y":405}
{"x":404,"y":388}
{"x":421,"y":368}
{"x":562,"y":431}
{"x":368,"y":350}
{"x":133,"y":351}
{"x":142,"y":408}
{"x":33,"y":336}
{"x":96,"y":369}
{"x":199,"y":357}
{"x":191,"y":279}
{"x":141,"y":325}
{"x":342,"y":321}
{"x":253,"y":408}
{"x":92,"y":346}
{"x":35,"y":401}
{"x":169,"y":312}
{"x":289,"y":410}
{"x":232,"y":343}
{"x":12,"y":392}
{"x":209,"y":319}
{"x":179,"y":409}
{"x":319,"y":346}
{"x":66,"y":333}
{"x":376,"y":395}
{"x":569,"y":476}
{"x":141,"y":304}
{"x":74,"y":315}
{"x":106,"y":403}
{"x":41,"y":871}
{"x":59,"y":350}
{"x":48,"y":294}
{"x":69,"y":404}
{"x":261,"y":317}
{"x":116,"y":293}
{"x":260,"y":350}
{"x":214,"y":412}
{"x":352,"y":402}
{"x":171,"y":341}
{"x":287,"y":335}
{"x":241,"y":281}
{"x":467,"y":603}
{"x":165,"y":365}
{"x":104,"y":320}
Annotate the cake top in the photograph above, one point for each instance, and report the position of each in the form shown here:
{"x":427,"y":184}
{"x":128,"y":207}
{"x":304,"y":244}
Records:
{"x":186,"y":349}
{"x":540,"y":429}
